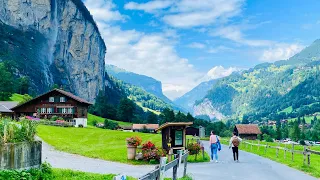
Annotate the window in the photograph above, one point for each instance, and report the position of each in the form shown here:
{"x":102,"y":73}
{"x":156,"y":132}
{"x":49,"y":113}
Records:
{"x":43,"y":110}
{"x":49,"y":110}
{"x":64,"y":110}
{"x":70,"y":110}
{"x":178,"y":138}
{"x":51,"y":99}
{"x":62,"y":99}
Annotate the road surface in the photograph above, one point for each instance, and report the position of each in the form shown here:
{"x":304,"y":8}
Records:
{"x":250,"y":167}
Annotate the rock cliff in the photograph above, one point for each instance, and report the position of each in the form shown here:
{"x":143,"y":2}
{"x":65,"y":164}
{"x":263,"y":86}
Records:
{"x":53,"y":42}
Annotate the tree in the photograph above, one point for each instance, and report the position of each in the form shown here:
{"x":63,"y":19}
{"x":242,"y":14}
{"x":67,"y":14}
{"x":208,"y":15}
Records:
{"x":190,"y":118}
{"x":126,"y":110}
{"x":6,"y":83}
{"x":152,"y":118}
{"x":285,"y":132}
{"x":295,"y":131}
{"x":245,"y":119}
{"x":167,"y":115}
{"x":23,"y":85}
{"x":25,"y":98}
{"x":180,"y":117}
{"x":299,"y":120}
{"x":303,"y":120}
{"x":278,"y":130}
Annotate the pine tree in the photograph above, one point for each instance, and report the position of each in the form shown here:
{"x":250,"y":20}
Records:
{"x":278,"y":130}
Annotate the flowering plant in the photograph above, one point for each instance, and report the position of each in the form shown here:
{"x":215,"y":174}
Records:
{"x":134,"y":141}
{"x":150,"y":151}
{"x":193,"y":148}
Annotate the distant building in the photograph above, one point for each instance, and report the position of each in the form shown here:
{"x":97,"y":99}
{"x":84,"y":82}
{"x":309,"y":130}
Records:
{"x":5,"y":108}
{"x":56,"y":102}
{"x":193,"y":131}
{"x":247,"y":131}
{"x":145,"y":127}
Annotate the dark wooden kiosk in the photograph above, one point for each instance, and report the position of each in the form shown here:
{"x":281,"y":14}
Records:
{"x":174,"y":136}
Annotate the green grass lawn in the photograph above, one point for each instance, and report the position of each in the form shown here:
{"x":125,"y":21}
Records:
{"x":93,"y":142}
{"x":313,"y":170}
{"x":92,"y":117}
{"x":66,"y":174}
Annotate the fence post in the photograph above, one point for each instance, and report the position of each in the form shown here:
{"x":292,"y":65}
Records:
{"x":175,"y":168}
{"x":265,"y":150}
{"x":163,"y":161}
{"x":277,"y":152}
{"x":308,"y":158}
{"x":304,"y":155}
{"x":292,"y":152}
{"x":185,"y":165}
{"x":285,"y":151}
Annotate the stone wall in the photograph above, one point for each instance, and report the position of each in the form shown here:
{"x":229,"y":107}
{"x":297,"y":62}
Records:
{"x":22,"y":155}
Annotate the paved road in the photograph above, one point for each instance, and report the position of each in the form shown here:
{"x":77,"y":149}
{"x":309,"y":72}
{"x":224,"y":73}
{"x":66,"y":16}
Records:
{"x":251,"y":166}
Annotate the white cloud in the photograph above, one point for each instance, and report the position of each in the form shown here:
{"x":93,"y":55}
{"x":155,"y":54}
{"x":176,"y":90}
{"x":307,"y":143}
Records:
{"x":150,"y":54}
{"x":103,"y":10}
{"x":318,"y":22}
{"x":280,"y":52}
{"x":150,"y":6}
{"x":219,"y":72}
{"x":234,"y":33}
{"x":190,"y":13}
{"x":197,"y":45}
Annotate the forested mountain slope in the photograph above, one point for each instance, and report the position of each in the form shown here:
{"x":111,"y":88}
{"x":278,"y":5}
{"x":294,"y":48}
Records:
{"x":268,"y":88}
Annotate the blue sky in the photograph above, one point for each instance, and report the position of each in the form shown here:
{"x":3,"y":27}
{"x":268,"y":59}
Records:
{"x":185,"y":42}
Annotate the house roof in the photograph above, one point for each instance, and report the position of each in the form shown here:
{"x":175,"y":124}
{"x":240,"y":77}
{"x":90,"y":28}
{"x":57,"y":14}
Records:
{"x":168,"y":124}
{"x":248,"y":129}
{"x":5,"y":106}
{"x":126,"y":127}
{"x":148,"y":126}
{"x":70,"y":95}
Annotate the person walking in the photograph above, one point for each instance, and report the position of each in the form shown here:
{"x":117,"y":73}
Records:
{"x":214,"y":140}
{"x":234,"y":143}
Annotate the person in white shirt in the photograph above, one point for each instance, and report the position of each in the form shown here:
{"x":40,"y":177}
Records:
{"x":234,"y":143}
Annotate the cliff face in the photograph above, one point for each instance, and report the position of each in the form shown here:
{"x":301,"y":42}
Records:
{"x":54,"y":42}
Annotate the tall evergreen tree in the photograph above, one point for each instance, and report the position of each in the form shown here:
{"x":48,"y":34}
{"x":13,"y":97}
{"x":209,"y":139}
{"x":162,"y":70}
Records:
{"x":152,"y":118}
{"x":126,"y":110}
{"x":278,"y":130}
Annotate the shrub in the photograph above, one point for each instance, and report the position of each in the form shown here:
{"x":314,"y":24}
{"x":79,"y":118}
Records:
{"x":151,"y":153}
{"x":110,"y":124}
{"x":267,"y":138}
{"x":193,"y":148}
{"x":54,"y":118}
{"x":134,"y":141}
{"x":94,"y":122}
{"x":44,"y":172}
{"x":11,"y":132}
{"x":80,"y":126}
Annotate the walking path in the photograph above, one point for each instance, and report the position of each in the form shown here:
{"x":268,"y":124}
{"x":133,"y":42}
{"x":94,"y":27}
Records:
{"x":251,"y":166}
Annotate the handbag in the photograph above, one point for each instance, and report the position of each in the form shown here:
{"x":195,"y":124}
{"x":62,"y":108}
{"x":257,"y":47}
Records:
{"x":218,"y":143}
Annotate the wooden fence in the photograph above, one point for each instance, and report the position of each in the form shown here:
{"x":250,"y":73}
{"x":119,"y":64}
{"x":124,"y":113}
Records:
{"x":158,"y":172}
{"x":306,"y":151}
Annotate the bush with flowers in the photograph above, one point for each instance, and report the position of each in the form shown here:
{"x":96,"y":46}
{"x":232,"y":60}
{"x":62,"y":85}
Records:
{"x":151,"y":152}
{"x":194,"y":149}
{"x":134,"y":141}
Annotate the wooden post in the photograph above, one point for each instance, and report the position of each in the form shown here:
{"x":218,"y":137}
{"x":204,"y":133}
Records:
{"x":175,"y":168}
{"x":277,"y":152}
{"x":163,"y":161}
{"x":265,"y":150}
{"x":285,"y":151}
{"x":304,"y":155}
{"x":308,"y":159}
{"x":292,"y":152}
{"x":185,"y":166}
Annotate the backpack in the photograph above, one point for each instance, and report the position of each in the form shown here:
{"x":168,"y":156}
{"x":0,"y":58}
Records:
{"x":235,"y":142}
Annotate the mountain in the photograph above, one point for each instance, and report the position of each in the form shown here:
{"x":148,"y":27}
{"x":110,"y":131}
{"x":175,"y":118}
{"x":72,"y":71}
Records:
{"x":267,"y":89}
{"x":187,"y":100}
{"x":142,"y":83}
{"x":53,"y":42}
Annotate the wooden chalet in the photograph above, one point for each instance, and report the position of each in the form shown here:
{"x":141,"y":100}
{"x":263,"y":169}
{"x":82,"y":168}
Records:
{"x":247,"y":131}
{"x":141,"y":127}
{"x":56,"y":102}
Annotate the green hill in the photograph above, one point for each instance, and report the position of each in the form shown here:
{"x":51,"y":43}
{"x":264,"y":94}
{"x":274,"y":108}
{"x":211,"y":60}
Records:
{"x":269,"y":88}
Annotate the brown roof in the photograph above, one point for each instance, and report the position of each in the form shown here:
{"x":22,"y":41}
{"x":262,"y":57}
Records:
{"x":174,"y":124}
{"x":60,"y":91}
{"x":248,"y":129}
{"x":148,"y":126}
